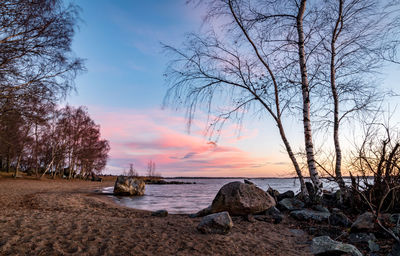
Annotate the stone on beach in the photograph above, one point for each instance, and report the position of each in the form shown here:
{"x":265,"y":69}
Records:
{"x":324,"y":245}
{"x":339,"y":219}
{"x":160,"y":213}
{"x":239,"y":198}
{"x":287,"y":194}
{"x":307,"y":214}
{"x":290,"y":204}
{"x":364,"y":223}
{"x":127,"y":186}
{"x":217,"y":223}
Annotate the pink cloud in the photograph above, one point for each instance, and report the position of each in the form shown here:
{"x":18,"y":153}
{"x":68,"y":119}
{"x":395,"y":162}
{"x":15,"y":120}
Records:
{"x":137,"y":136}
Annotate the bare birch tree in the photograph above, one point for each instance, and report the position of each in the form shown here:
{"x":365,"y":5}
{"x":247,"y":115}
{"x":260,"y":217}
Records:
{"x":258,"y":63}
{"x":356,"y":36}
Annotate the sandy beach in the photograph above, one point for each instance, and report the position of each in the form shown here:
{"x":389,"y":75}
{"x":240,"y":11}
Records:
{"x":60,"y":217}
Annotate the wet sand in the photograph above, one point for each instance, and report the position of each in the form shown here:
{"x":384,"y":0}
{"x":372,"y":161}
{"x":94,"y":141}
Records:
{"x":60,"y":217}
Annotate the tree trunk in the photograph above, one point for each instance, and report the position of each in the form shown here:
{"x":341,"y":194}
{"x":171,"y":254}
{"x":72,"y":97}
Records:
{"x":336,"y":120}
{"x":17,"y":167}
{"x":293,"y":159}
{"x":306,"y":105}
{"x":8,"y":162}
{"x":36,"y":152}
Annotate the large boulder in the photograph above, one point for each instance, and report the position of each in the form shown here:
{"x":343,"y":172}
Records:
{"x":324,"y":245}
{"x":127,"y":186}
{"x":239,"y":198}
{"x":217,"y":223}
{"x":364,"y":223}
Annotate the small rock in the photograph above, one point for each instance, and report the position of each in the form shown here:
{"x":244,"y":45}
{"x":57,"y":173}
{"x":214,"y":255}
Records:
{"x":217,"y":223}
{"x":290,"y":204}
{"x":276,"y":215}
{"x":273,"y":211}
{"x":307,"y":214}
{"x":339,"y":219}
{"x":320,"y":208}
{"x":361,"y":237}
{"x":373,"y":247}
{"x":160,"y":213}
{"x":324,"y":245}
{"x":364,"y":222}
{"x":287,"y":194}
{"x":266,"y":218}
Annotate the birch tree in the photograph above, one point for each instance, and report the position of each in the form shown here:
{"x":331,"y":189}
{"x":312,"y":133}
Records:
{"x":357,"y":35}
{"x":258,"y":62}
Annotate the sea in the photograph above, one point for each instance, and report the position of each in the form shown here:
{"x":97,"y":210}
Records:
{"x":190,"y":198}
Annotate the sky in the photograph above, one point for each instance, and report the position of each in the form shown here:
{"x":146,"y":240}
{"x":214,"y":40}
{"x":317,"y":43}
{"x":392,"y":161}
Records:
{"x":124,"y":87}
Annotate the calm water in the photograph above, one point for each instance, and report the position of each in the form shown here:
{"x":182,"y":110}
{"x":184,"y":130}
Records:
{"x":190,"y":198}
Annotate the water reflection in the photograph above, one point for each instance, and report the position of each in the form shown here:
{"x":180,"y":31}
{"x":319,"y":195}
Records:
{"x":190,"y":198}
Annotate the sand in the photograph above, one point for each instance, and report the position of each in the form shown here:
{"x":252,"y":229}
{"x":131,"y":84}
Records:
{"x":59,"y":217}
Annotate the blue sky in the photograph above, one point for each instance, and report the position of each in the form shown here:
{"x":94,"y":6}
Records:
{"x":124,"y":88}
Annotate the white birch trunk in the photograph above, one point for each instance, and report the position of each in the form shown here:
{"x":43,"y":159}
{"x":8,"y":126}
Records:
{"x":306,"y":105}
{"x":336,"y":124}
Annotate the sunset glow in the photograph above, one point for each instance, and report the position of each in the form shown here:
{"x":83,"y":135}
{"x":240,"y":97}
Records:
{"x":124,"y":89}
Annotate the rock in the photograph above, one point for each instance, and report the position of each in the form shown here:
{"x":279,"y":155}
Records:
{"x":287,"y":194}
{"x":201,"y":213}
{"x":324,"y":245}
{"x":272,"y":215}
{"x":248,"y":182}
{"x":307,"y":214}
{"x":339,"y":219}
{"x":272,"y":192}
{"x":363,"y":223}
{"x":239,"y":198}
{"x":320,"y":208}
{"x":217,"y":223}
{"x":276,"y":215}
{"x":160,"y":213}
{"x":395,"y":250}
{"x":373,"y":247}
{"x":361,"y":237}
{"x":273,"y":211}
{"x":127,"y":186}
{"x":394,"y":218}
{"x":290,"y":204}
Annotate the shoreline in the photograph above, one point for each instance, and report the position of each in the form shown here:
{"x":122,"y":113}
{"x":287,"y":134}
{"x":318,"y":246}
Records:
{"x":53,"y":217}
